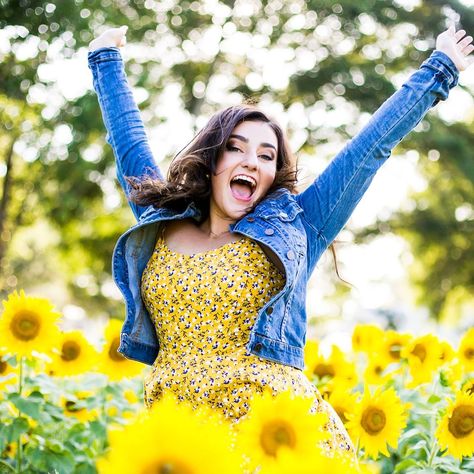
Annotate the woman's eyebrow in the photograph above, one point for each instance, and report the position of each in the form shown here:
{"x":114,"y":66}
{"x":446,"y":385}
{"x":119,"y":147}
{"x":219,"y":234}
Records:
{"x":246,"y":140}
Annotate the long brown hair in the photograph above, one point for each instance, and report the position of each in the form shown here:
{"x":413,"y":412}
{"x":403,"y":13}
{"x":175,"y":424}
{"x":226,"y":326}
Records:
{"x":189,"y":172}
{"x":188,"y":178}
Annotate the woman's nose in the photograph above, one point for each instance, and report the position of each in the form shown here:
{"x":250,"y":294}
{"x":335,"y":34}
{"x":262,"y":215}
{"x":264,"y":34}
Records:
{"x":251,"y":160}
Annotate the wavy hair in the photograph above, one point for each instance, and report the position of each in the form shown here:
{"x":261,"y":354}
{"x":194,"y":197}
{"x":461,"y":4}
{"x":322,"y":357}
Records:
{"x":189,"y":172}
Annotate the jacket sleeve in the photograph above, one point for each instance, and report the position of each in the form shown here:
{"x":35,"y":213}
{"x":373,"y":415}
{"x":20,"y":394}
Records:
{"x":125,"y":131}
{"x":330,"y":200}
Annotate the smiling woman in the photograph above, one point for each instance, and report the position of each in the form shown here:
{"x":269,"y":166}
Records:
{"x":215,"y":271}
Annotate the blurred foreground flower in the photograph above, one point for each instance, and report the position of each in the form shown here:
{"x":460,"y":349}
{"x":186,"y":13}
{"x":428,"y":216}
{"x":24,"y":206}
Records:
{"x":277,"y":423}
{"x":169,"y":438}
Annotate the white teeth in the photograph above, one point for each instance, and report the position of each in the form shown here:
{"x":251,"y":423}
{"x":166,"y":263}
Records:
{"x":246,"y":178}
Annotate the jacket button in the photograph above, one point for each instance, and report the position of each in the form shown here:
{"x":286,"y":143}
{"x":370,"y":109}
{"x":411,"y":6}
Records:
{"x":283,"y":215}
{"x":258,"y":347}
{"x":269,"y":231}
{"x":250,"y":219}
{"x":290,"y":254}
{"x":270,"y":310}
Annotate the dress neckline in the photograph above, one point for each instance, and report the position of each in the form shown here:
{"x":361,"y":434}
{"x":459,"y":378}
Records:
{"x":205,"y":252}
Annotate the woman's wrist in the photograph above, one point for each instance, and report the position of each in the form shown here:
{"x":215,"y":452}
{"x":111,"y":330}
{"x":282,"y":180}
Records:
{"x":100,"y":43}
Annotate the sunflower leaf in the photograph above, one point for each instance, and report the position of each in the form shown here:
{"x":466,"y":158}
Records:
{"x":18,"y":426}
{"x":401,"y":466}
{"x":434,"y":399}
{"x":29,"y":406}
{"x":45,"y":460}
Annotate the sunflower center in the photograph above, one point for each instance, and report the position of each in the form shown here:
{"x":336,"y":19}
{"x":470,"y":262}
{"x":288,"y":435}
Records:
{"x":275,"y":434}
{"x":419,"y":351}
{"x":71,"y":406}
{"x":394,"y":350}
{"x":166,"y":467}
{"x":70,"y":351}
{"x":113,"y":354}
{"x":378,"y":369}
{"x":373,"y":420}
{"x":25,"y":325}
{"x":324,"y":369}
{"x":3,"y":366}
{"x":469,"y":353}
{"x":341,"y":413}
{"x":461,"y":423}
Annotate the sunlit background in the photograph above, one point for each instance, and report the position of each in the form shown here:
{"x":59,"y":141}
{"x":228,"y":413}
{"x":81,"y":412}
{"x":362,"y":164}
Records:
{"x":320,"y":68}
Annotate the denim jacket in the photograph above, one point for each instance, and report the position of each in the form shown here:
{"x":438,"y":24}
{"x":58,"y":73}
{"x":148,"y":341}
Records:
{"x":297,"y":227}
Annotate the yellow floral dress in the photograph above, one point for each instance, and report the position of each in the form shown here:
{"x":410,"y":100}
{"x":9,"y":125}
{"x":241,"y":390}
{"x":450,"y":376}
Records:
{"x":203,"y":307}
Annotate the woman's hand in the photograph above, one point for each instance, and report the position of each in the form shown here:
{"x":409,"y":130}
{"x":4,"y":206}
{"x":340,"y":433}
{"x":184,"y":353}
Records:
{"x":114,"y":37}
{"x":457,"y":46}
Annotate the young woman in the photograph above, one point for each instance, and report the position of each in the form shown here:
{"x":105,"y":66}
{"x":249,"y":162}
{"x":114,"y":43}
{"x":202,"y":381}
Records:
{"x":214,"y":272}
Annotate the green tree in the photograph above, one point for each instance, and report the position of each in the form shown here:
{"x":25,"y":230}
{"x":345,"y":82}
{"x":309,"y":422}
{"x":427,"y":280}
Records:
{"x":342,"y":58}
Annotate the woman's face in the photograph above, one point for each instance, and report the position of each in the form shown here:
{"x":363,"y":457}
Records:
{"x":245,"y":171}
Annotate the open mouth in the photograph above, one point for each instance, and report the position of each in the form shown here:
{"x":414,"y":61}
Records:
{"x":243,"y":187}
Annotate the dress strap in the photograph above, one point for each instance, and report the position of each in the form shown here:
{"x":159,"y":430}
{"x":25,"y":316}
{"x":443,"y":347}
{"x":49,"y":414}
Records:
{"x":161,"y":232}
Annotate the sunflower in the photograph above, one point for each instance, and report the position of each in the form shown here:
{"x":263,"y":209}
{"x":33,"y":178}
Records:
{"x":377,"y":420}
{"x":455,"y":431}
{"x":8,"y":374}
{"x":468,"y":386}
{"x":28,"y":324}
{"x":130,"y":396}
{"x":392,"y":344}
{"x":278,"y":422}
{"x":75,"y":355}
{"x":343,"y":401}
{"x":111,"y":362}
{"x":379,"y":371}
{"x":170,"y":437}
{"x":322,"y":369}
{"x":466,"y":350}
{"x":447,"y":352}
{"x":424,"y":358}
{"x":76,"y":406}
{"x":366,"y":337}
{"x":451,"y":374}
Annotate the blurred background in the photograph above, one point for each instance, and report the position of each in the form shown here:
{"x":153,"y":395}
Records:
{"x":320,"y":68}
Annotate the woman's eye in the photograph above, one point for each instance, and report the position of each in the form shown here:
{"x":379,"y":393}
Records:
{"x":232,"y":148}
{"x":268,"y":157}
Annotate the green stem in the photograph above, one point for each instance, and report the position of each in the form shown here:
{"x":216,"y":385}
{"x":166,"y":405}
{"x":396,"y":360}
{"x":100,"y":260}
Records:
{"x":433,"y":451}
{"x":4,"y":463}
{"x":434,"y":445}
{"x":20,"y":387}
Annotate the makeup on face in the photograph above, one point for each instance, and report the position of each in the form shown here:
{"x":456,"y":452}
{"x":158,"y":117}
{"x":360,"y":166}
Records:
{"x":246,"y":169}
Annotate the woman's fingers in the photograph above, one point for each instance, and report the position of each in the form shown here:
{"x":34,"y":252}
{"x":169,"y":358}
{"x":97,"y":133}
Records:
{"x":459,"y":35}
{"x":465,"y":42}
{"x":468,"y":49}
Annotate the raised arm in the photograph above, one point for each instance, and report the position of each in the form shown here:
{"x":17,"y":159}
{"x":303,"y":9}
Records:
{"x":330,"y":200}
{"x":125,"y":131}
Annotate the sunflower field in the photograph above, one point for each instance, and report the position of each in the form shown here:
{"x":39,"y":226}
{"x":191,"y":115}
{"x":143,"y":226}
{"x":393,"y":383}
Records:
{"x":65,"y":407}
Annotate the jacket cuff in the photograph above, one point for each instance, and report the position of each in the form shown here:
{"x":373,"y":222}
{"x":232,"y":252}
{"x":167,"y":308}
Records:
{"x":104,"y":54}
{"x":443,"y":63}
